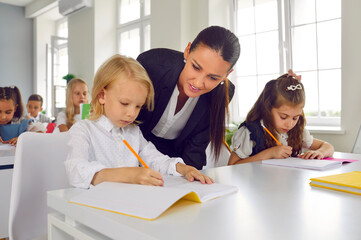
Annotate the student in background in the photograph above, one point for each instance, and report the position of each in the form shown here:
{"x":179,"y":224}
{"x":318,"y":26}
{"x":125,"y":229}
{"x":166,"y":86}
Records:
{"x":34,"y":108}
{"x":121,"y":88}
{"x":76,"y":93}
{"x":279,"y":108}
{"x":12,"y":122}
{"x":192,"y":93}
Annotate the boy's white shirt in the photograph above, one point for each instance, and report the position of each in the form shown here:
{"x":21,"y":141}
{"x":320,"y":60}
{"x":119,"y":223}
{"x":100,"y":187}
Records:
{"x":96,"y":145}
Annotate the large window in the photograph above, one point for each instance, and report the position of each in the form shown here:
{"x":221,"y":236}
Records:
{"x":133,"y":27}
{"x":304,"y":35}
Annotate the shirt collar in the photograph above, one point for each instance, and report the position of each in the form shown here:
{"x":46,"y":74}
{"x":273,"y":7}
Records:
{"x":106,"y":123}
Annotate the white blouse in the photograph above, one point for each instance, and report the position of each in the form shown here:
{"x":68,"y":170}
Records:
{"x":95,"y":145}
{"x":61,"y":118}
{"x":169,"y":125}
{"x":242,"y":144}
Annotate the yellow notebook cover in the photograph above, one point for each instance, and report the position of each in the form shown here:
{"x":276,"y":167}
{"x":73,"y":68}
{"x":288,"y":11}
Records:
{"x":346,"y":182}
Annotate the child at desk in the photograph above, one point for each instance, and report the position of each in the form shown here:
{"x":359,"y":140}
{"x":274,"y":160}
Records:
{"x":76,"y":93}
{"x":121,"y":88}
{"x":275,"y":126}
{"x":34,"y":108}
{"x":12,"y":122}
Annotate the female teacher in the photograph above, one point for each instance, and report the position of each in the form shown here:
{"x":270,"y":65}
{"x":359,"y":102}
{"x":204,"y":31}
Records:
{"x":192,"y":94}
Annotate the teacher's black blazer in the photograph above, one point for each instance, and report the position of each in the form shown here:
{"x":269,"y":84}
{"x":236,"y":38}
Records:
{"x":164,"y":67}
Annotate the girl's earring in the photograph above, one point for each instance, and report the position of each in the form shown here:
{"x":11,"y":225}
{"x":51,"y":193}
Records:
{"x":222,"y":82}
{"x":184,"y":60}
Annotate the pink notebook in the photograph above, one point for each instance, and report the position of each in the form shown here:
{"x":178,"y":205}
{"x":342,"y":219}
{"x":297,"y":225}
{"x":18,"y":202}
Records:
{"x":340,"y":160}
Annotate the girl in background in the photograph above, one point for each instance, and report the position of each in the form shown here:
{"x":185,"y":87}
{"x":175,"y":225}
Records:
{"x":97,"y":153}
{"x":279,"y":108}
{"x":12,"y":122}
{"x":76,"y":93}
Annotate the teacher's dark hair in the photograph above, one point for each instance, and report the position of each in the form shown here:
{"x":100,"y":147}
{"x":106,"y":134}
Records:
{"x":227,"y":45}
{"x":220,"y":40}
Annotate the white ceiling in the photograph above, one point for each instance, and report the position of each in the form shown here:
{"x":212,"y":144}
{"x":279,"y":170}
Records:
{"x":21,"y":3}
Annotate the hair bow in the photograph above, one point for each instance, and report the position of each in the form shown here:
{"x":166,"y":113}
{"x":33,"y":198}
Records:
{"x":292,"y":74}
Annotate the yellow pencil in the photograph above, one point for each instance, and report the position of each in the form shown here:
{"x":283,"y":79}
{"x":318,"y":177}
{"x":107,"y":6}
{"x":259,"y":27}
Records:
{"x":132,"y":150}
{"x":271,"y":134}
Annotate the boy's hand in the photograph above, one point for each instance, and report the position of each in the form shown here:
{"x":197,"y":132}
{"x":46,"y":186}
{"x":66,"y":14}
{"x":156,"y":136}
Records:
{"x":146,"y":176}
{"x":191,"y":174}
{"x":281,"y":151}
{"x":135,"y":175}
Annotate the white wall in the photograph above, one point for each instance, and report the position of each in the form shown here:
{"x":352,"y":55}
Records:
{"x":81,"y":44}
{"x":92,"y":38}
{"x":175,"y":23}
{"x":105,"y":31}
{"x":165,"y":24}
{"x":16,"y":49}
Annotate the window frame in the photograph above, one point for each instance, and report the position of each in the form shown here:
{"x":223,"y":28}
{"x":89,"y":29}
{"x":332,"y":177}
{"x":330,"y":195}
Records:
{"x":285,"y":61}
{"x":140,"y":23}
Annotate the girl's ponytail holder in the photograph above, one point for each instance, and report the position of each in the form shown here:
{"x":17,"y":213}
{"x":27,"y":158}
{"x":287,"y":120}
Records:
{"x":292,"y":74}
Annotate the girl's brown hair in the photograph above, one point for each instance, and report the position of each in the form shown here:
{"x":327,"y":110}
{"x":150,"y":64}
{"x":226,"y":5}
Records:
{"x":13,"y":93}
{"x":113,"y":69}
{"x":275,"y":94}
{"x":70,"y":110}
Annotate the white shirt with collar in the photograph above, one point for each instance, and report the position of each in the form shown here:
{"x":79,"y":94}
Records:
{"x":95,"y":145}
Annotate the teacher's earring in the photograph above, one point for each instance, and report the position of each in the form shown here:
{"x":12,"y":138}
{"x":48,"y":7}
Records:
{"x":184,"y":60}
{"x":222,"y":82}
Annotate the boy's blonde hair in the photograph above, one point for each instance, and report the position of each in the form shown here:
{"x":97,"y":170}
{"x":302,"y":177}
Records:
{"x":114,"y":68}
{"x":70,"y":110}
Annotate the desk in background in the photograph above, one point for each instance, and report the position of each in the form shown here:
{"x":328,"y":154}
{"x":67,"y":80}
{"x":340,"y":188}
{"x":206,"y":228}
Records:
{"x":7,"y":156}
{"x":272,"y":203}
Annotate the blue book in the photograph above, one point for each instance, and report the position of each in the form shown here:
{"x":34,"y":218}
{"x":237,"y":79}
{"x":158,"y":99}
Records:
{"x":10,"y":131}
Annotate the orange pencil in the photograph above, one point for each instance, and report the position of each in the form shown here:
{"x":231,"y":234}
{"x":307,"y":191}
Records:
{"x":132,"y":150}
{"x":271,"y":134}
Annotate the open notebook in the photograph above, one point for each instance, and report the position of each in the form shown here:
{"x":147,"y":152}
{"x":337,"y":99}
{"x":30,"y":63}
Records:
{"x":314,"y":164}
{"x":148,"y":202}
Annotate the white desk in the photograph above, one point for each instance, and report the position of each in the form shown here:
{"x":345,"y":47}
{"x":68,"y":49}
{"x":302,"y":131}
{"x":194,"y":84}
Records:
{"x":6,"y":173}
{"x":272,"y":203}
